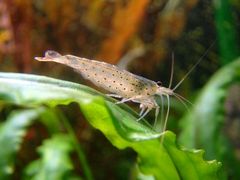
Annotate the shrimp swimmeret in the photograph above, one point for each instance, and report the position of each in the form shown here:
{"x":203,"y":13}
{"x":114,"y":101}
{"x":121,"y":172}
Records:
{"x":121,"y":83}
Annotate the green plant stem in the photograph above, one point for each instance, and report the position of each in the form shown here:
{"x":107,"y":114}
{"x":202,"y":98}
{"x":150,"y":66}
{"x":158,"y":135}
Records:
{"x":80,"y":152}
{"x":226,"y":31}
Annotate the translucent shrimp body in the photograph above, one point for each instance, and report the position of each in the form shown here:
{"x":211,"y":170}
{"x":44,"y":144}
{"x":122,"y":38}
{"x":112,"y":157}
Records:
{"x":121,"y":83}
{"x":124,"y":84}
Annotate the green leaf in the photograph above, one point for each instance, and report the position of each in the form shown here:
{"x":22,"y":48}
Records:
{"x":32,"y":90}
{"x":203,"y":127}
{"x":55,"y":162}
{"x":12,"y":132}
{"x":156,"y":158}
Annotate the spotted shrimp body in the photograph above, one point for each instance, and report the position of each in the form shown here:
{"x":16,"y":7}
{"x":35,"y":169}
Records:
{"x":121,"y":83}
{"x":124,"y":84}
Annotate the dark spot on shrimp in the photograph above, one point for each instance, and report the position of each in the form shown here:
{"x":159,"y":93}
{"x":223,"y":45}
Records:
{"x":140,"y":85}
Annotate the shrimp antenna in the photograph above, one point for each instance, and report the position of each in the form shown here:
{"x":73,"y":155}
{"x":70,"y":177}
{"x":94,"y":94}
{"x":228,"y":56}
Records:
{"x":166,"y":117}
{"x":171,"y":76}
{"x":193,"y":67}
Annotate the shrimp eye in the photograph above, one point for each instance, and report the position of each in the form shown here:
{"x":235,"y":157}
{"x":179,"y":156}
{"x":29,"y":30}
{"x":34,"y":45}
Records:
{"x":159,"y":83}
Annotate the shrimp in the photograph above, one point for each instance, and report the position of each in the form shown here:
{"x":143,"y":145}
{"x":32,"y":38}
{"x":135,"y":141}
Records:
{"x":121,"y":83}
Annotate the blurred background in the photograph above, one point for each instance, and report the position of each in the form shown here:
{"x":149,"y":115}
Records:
{"x":140,"y":36}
